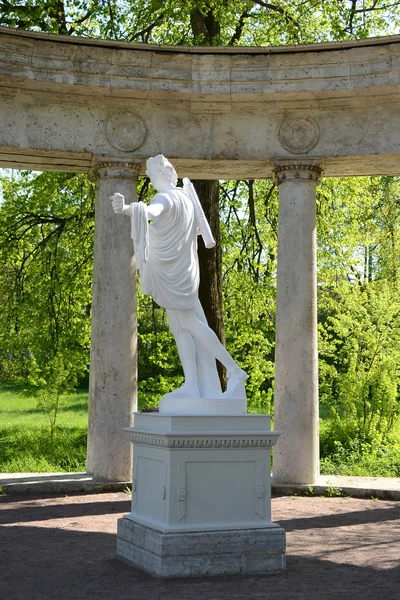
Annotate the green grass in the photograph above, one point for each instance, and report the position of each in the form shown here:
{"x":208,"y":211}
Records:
{"x":25,"y":443}
{"x":26,"y":446}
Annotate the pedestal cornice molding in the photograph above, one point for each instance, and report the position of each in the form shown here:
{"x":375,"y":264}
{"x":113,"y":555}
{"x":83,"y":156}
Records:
{"x":199,"y":442}
{"x":285,"y":171}
{"x":114,"y":167}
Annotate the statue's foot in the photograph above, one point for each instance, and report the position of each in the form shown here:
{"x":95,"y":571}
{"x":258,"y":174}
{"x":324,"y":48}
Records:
{"x":185,"y":391}
{"x":235,"y":387}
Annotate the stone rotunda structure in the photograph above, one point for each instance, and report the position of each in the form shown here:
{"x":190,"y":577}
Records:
{"x":293,"y":113}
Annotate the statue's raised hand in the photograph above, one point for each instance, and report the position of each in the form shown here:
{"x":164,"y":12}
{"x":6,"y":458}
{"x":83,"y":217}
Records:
{"x":118,"y":202}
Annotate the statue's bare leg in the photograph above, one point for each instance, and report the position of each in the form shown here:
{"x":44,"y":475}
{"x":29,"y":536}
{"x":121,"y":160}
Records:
{"x":208,"y":339}
{"x":202,"y":376}
{"x":207,"y":373}
{"x":187,"y":354}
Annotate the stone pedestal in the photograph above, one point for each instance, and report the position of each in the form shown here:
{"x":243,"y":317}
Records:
{"x":201,"y":500}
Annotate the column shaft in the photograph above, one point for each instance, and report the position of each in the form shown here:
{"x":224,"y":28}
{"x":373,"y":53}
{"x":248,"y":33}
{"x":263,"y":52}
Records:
{"x":113,"y":367}
{"x":296,"y":457}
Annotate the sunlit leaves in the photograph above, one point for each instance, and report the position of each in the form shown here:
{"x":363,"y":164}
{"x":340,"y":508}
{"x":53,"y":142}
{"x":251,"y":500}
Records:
{"x":360,"y":351}
{"x":242,"y":22}
{"x":249,"y":240}
{"x":46,"y":252}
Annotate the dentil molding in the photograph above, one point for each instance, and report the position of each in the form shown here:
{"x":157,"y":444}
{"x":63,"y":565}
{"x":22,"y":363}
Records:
{"x":199,"y":443}
{"x":115,"y":168}
{"x":297,"y":171}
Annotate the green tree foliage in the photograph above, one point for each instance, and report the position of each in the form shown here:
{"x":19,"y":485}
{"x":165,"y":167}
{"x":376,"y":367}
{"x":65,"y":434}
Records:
{"x":47,"y":224}
{"x":359,"y":308}
{"x":46,"y":252}
{"x":55,"y":379}
{"x":249,"y":212}
{"x":360,"y":348}
{"x":245,"y":22}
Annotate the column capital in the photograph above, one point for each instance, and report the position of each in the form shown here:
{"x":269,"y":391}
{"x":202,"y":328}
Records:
{"x":297,"y":170}
{"x":114,"y":166}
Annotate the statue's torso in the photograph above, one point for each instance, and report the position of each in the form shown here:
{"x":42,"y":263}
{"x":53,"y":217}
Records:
{"x":171,"y":274}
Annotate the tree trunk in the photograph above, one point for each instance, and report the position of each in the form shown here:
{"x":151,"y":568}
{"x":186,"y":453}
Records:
{"x":205,"y":27}
{"x":206,"y":30}
{"x":210,"y":260}
{"x":370,"y":262}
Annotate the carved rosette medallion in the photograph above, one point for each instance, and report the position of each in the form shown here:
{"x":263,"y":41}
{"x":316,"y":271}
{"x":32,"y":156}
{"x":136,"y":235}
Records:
{"x":260,"y":491}
{"x":182,"y":494}
{"x":298,"y":134}
{"x":126,"y":131}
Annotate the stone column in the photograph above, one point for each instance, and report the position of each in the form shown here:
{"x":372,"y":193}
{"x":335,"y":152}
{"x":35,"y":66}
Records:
{"x":296,"y":456}
{"x":113,"y":367}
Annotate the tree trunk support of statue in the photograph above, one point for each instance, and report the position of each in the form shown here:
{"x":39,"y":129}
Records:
{"x":296,"y":456}
{"x":113,"y":366}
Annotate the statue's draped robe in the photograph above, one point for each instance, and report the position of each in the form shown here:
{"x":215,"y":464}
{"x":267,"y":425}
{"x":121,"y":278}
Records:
{"x":166,"y":255}
{"x":167,"y":251}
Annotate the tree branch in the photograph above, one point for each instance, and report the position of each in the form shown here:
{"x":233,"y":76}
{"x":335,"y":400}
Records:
{"x":145,"y":33}
{"x":253,"y":223}
{"x":239,"y":29}
{"x":278,"y":9}
{"x":80,"y":21}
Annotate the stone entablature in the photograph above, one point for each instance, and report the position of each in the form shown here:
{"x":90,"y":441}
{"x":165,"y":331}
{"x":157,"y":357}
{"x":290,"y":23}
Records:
{"x":313,"y":72}
{"x":219,"y":113}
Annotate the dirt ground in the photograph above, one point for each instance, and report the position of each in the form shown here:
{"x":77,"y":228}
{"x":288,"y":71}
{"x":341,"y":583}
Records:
{"x":64,"y":549}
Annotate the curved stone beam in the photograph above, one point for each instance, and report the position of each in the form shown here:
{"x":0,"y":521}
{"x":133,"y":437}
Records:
{"x":217,"y":112}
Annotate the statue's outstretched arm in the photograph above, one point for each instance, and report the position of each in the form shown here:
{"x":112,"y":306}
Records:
{"x":153,"y":210}
{"x":119,"y":206}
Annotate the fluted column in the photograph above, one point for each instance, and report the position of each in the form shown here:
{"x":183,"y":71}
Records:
{"x":296,"y":456}
{"x":113,"y":366}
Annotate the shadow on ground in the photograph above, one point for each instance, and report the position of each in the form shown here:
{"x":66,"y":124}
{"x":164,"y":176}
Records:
{"x":64,"y":549}
{"x":361,"y":517}
{"x":57,"y":511}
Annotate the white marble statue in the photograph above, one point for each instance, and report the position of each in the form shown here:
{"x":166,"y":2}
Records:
{"x":166,"y":254}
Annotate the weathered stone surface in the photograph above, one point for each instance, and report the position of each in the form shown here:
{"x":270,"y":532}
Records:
{"x":98,"y":64}
{"x":126,"y":131}
{"x":205,"y":553}
{"x":112,"y":386}
{"x":56,"y":93}
{"x":299,"y":134}
{"x":193,"y":543}
{"x":296,"y":458}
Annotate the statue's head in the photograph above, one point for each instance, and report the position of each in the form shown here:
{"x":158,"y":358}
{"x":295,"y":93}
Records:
{"x":161,"y":172}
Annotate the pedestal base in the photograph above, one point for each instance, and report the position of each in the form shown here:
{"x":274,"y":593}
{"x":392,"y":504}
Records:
{"x":201,"y":496}
{"x":190,"y":554}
